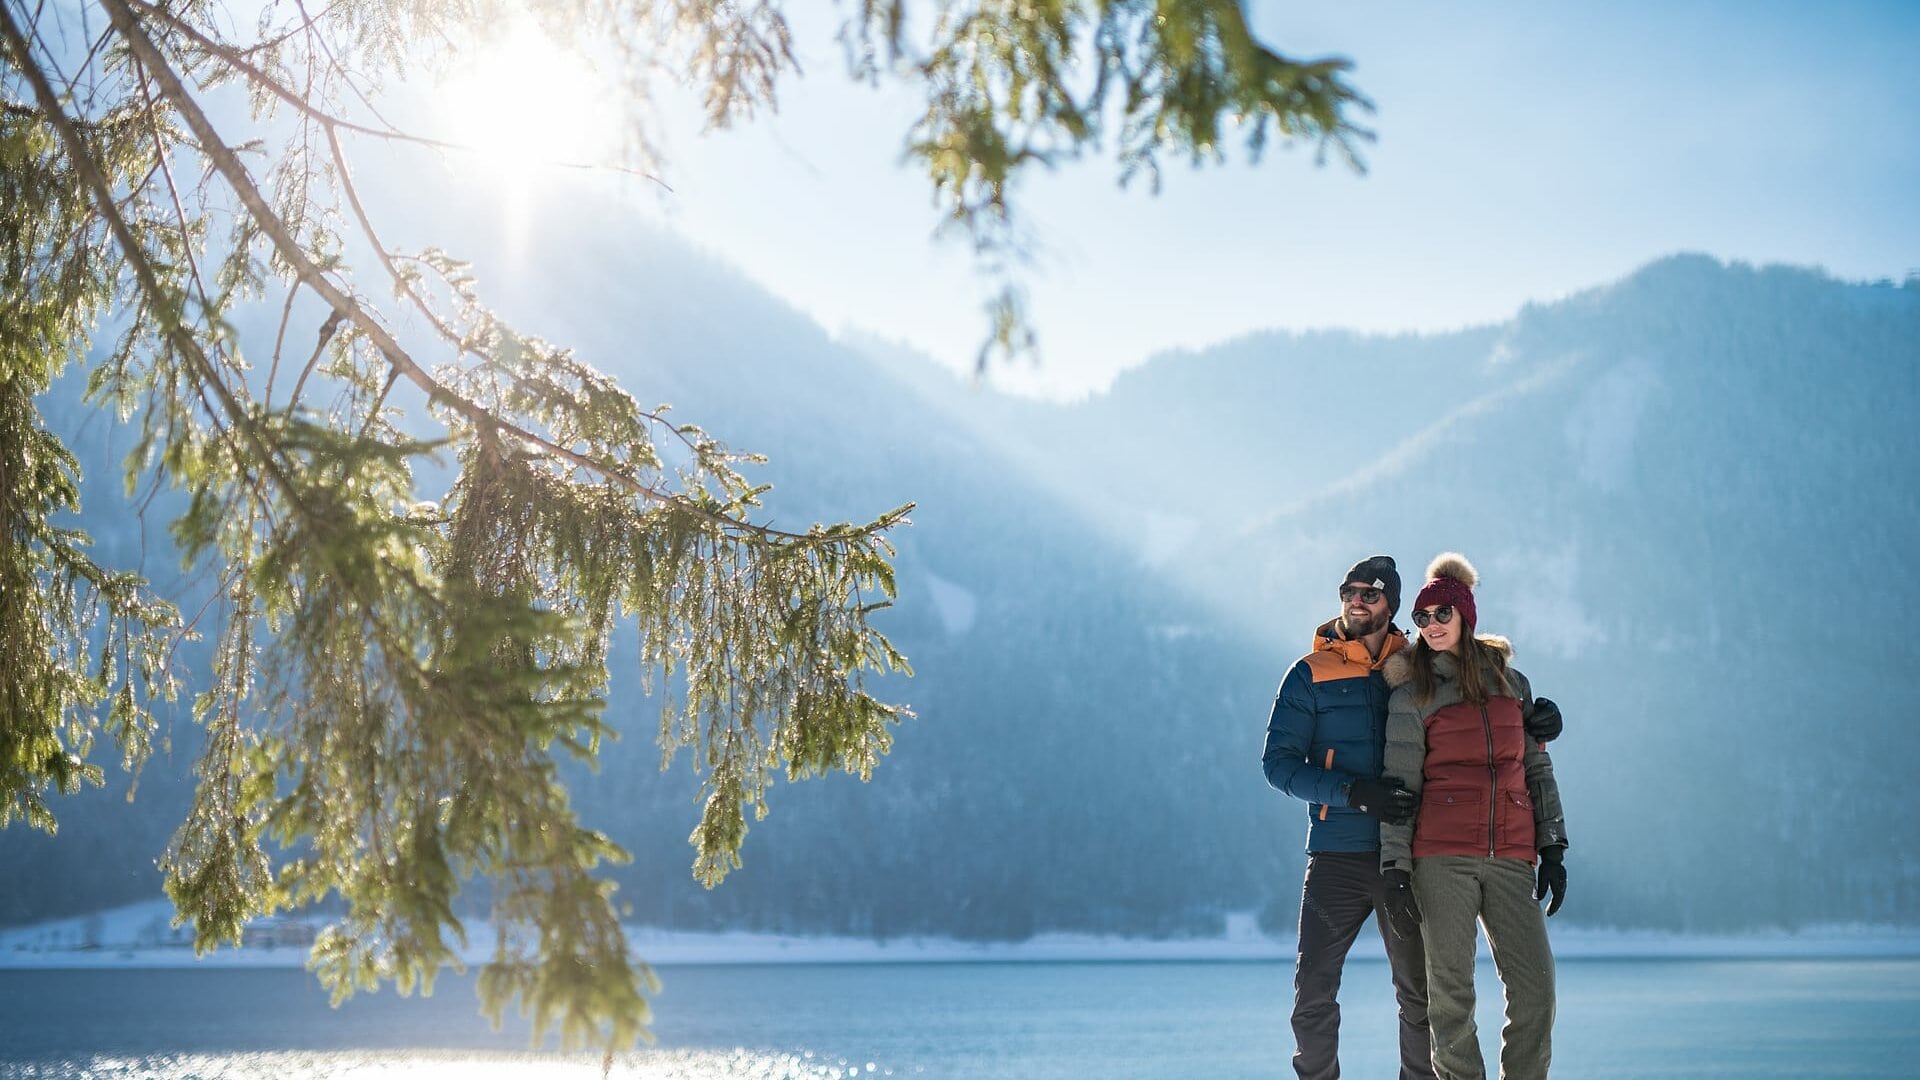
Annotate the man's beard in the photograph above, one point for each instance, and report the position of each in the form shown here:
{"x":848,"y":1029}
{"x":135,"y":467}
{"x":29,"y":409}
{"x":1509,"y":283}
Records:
{"x":1354,"y":629}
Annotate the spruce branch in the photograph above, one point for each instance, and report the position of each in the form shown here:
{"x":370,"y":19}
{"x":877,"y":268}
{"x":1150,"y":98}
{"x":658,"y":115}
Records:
{"x":307,"y":273}
{"x":237,"y":59}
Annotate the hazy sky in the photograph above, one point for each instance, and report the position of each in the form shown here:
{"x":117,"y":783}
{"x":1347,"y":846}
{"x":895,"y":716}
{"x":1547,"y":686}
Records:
{"x":1526,"y":150}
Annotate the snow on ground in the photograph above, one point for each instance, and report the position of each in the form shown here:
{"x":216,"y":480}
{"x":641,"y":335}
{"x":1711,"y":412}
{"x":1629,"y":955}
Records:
{"x":142,"y":935}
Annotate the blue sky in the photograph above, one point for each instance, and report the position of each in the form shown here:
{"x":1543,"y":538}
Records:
{"x":1526,"y":151}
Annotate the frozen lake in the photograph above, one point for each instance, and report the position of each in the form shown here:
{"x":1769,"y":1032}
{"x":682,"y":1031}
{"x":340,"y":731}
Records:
{"x":1619,"y":1018}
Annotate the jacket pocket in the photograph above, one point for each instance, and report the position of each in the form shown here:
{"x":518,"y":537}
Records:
{"x":1329,"y":767}
{"x":1451,"y":816}
{"x":1513,"y":821}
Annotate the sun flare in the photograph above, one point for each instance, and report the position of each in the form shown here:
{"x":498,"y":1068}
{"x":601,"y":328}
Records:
{"x":524,"y":103}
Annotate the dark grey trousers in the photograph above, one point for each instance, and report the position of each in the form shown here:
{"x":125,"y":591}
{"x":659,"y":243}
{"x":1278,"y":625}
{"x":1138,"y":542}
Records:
{"x":1342,"y":889}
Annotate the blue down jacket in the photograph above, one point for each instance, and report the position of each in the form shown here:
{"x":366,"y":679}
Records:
{"x":1328,"y":726}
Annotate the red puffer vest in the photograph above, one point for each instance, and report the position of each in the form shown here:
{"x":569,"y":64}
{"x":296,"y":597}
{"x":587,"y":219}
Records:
{"x":1474,"y":800}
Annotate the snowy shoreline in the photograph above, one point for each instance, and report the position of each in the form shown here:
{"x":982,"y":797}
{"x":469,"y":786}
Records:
{"x":141,"y":936}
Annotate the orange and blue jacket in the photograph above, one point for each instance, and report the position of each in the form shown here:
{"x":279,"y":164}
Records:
{"x":1328,"y":726}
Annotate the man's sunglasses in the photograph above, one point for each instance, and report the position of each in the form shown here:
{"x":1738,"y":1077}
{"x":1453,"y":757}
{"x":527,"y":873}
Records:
{"x":1442,"y":615}
{"x":1367,"y":594}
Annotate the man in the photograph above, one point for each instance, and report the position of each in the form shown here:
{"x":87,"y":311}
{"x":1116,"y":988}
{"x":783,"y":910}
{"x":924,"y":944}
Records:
{"x":1326,"y":738}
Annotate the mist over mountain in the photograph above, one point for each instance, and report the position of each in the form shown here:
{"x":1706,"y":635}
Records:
{"x":1691,"y":495}
{"x":1692,"y":498}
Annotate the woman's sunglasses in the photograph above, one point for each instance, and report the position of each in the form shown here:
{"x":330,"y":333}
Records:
{"x":1367,"y":594}
{"x":1442,"y":615}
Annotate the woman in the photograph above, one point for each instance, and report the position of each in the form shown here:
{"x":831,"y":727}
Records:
{"x":1456,"y":727}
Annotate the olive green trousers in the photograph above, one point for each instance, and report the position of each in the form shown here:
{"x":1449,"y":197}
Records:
{"x":1458,"y":894}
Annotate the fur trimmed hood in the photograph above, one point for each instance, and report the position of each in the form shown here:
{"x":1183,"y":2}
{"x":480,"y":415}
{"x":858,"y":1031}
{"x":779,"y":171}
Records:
{"x":1399,"y":667}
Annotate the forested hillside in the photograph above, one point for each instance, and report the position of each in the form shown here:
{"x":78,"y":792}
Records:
{"x":1691,"y":495}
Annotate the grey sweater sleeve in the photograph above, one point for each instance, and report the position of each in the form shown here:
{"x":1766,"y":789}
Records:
{"x":1406,"y":757}
{"x":1549,"y":821}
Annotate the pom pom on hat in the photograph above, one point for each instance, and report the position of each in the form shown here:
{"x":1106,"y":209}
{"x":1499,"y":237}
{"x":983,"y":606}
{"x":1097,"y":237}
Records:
{"x":1454,"y":565}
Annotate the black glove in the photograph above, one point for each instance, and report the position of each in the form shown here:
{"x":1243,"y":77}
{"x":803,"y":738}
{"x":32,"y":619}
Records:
{"x":1386,"y":798}
{"x":1552,"y":877}
{"x":1544,"y":725}
{"x":1403,"y":911}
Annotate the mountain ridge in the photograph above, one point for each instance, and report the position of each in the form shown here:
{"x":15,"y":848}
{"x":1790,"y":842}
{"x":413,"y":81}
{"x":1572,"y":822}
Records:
{"x":1100,"y":598}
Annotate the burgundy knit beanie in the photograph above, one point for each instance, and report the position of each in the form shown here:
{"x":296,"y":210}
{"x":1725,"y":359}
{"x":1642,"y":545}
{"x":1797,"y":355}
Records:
{"x":1450,"y":580}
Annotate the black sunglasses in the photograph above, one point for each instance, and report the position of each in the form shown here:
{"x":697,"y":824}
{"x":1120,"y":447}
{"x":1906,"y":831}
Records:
{"x":1442,"y":615}
{"x":1367,"y":593}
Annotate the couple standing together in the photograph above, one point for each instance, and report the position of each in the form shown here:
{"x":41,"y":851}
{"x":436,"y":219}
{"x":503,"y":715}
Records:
{"x":1431,"y":804}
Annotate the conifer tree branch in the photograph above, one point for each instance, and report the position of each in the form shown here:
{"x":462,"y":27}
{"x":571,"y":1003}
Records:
{"x":237,"y":390}
{"x":56,"y":603}
{"x":307,"y":23}
{"x":173,"y":329}
{"x":405,"y":284}
{"x":237,"y":60}
{"x":224,"y":161}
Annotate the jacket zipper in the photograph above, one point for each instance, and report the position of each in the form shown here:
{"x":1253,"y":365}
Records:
{"x":1493,"y":778}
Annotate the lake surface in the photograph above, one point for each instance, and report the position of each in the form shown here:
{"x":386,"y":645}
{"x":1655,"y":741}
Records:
{"x":1657,"y":1019}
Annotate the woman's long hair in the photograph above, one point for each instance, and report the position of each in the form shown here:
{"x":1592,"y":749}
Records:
{"x":1483,"y":670}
